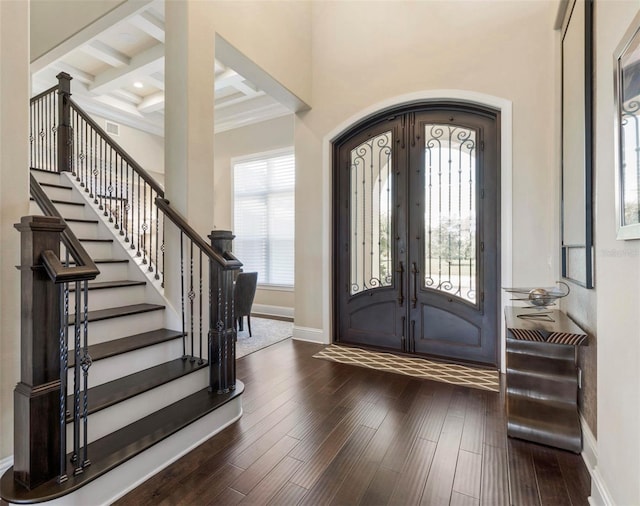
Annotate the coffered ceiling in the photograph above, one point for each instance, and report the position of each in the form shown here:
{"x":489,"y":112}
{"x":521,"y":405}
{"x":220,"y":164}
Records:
{"x":118,"y":73}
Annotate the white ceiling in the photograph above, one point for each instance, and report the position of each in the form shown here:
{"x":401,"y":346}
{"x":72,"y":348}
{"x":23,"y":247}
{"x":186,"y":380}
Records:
{"x":119,"y":74}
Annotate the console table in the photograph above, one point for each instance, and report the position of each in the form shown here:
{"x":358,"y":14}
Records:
{"x":542,"y":378}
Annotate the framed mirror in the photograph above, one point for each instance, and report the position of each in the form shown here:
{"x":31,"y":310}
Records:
{"x":577,"y":115}
{"x":627,"y":138}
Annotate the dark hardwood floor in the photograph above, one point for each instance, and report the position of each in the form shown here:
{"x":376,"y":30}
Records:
{"x":316,"y":432}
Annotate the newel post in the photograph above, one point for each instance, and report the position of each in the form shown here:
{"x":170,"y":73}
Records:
{"x":37,"y":395}
{"x":64,"y":134}
{"x":222,"y":333}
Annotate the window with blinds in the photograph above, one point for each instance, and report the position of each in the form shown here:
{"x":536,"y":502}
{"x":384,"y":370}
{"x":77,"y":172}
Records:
{"x":263,"y":215}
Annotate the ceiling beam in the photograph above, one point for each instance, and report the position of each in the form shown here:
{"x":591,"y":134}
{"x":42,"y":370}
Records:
{"x":149,"y":24}
{"x":144,"y":63}
{"x":76,"y":73}
{"x":152,"y":103}
{"x":156,"y":79}
{"x":105,"y":53}
{"x":120,"y":105}
{"x":123,"y":11}
{"x":128,"y":96}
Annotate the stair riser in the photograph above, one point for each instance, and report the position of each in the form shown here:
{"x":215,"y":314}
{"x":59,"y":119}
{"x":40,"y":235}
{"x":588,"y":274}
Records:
{"x":109,"y":369}
{"x":98,"y":249}
{"x":112,"y":297}
{"x":540,"y":388}
{"x":85,"y":230}
{"x":115,"y":328}
{"x":49,"y":177}
{"x":60,"y":193}
{"x":71,"y":211}
{"x":112,"y":272}
{"x":115,"y":417}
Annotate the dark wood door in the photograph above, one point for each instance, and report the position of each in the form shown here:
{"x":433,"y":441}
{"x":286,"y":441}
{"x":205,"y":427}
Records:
{"x":416,"y":233}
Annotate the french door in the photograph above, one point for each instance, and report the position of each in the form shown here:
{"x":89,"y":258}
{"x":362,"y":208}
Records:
{"x":416,"y":206}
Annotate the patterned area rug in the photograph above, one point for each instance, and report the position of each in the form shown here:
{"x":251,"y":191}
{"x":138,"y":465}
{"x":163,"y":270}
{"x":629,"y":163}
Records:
{"x":484,"y":379}
{"x":265,"y":333}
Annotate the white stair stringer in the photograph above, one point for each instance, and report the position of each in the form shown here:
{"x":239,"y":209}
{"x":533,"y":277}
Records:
{"x":112,"y":232}
{"x":119,"y":415}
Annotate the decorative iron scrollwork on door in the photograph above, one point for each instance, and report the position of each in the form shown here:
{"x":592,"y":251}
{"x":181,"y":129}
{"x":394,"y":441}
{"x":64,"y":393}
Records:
{"x":371,"y":214}
{"x":450,"y":210}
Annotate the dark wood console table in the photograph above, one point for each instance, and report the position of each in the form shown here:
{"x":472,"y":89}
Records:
{"x":542,"y":379}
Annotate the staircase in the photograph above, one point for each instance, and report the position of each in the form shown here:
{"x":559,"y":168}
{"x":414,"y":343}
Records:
{"x":150,"y":377}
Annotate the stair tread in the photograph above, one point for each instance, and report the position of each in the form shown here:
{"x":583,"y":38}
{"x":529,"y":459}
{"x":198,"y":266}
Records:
{"x":80,"y":220}
{"x":60,"y":186}
{"x":35,"y":169}
{"x":106,"y":261}
{"x":119,"y":446}
{"x":95,"y":240}
{"x":101,"y":285}
{"x":115,"y":312}
{"x":121,"y":389}
{"x":130,"y":343}
{"x":67,"y":202}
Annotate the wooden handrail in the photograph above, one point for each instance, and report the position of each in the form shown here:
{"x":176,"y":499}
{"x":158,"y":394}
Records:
{"x":86,"y":267}
{"x":58,"y":273}
{"x":44,"y":94}
{"x":114,"y":145}
{"x":226,"y":260}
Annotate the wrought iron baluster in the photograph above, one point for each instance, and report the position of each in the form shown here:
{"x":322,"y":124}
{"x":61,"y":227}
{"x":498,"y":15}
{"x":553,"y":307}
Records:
{"x":162,"y":248}
{"x":64,"y":355}
{"x":200,"y":302}
{"x":122,"y":201}
{"x":103,"y":173}
{"x":184,"y":336}
{"x":144,"y":226}
{"x":94,"y":166}
{"x":109,"y":194}
{"x":75,"y":458}
{"x":139,"y":222}
{"x":117,"y":197}
{"x":191,"y":296}
{"x":157,"y":275}
{"x":127,"y":205}
{"x":85,"y":364}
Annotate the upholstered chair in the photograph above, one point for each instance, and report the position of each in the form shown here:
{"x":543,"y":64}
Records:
{"x":243,"y":295}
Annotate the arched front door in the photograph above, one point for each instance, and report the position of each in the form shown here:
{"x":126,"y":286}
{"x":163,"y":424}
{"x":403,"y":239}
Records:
{"x":416,"y":210}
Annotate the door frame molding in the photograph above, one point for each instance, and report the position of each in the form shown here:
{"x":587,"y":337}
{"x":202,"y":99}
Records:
{"x":506,"y":181}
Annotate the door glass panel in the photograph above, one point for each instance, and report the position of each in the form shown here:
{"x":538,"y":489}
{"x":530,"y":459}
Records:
{"x":370,"y":208}
{"x":450,"y":210}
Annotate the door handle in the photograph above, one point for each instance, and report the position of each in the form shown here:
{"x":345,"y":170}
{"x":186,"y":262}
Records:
{"x":400,"y":270}
{"x":414,"y":298}
{"x":403,"y":339}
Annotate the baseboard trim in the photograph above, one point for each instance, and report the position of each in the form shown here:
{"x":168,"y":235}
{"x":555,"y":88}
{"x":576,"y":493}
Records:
{"x":310,"y":335}
{"x":600,"y":495}
{"x":267,"y":309}
{"x":589,"y":446}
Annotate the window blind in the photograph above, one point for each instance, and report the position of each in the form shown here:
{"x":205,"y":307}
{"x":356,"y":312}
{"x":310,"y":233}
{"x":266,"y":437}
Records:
{"x":263,"y":189}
